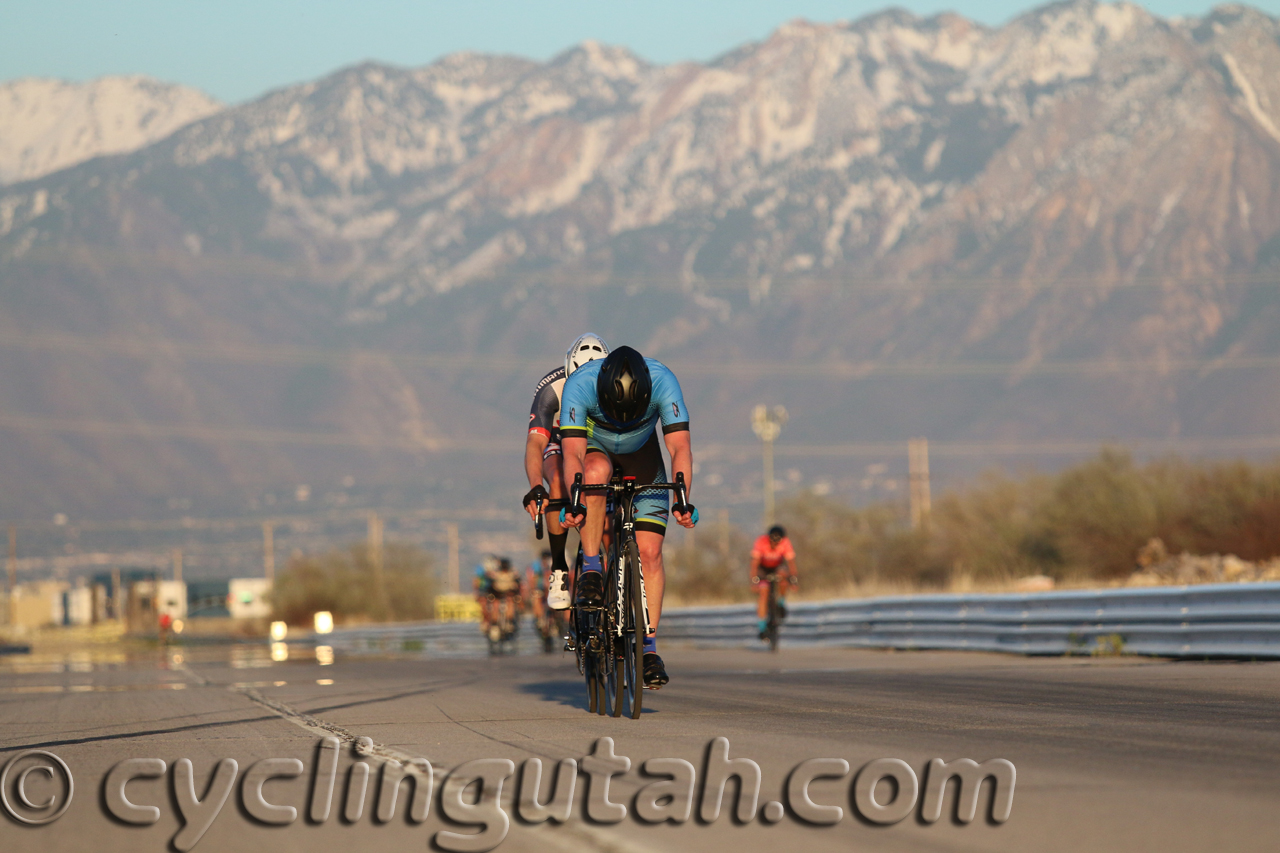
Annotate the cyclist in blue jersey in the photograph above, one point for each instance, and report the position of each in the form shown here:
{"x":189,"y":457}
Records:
{"x":610,"y":410}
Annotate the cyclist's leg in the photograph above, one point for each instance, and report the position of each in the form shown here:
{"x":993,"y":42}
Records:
{"x":649,"y":544}
{"x":557,"y":579}
{"x":651,"y":510}
{"x":597,"y":469}
{"x":551,"y":473}
{"x":762,"y":608}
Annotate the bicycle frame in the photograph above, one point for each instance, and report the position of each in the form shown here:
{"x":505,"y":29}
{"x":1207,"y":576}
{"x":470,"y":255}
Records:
{"x":623,"y":492}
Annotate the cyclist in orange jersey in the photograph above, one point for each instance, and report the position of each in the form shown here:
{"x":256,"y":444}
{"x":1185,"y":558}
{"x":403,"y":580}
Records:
{"x":772,"y":553}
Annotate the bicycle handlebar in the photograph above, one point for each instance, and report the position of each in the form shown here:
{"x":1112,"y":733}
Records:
{"x":681,"y":504}
{"x":542,"y":507}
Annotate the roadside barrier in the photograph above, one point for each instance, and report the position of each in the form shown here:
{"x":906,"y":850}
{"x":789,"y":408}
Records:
{"x":1212,"y":620}
{"x":1204,"y":621}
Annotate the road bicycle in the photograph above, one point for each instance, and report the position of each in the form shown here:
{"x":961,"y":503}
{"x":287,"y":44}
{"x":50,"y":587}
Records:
{"x":774,"y":613}
{"x":609,"y":641}
{"x":506,"y":621}
{"x":547,"y":622}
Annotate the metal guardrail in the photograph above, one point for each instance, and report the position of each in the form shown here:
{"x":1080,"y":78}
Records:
{"x":1212,"y":620}
{"x":431,"y":639}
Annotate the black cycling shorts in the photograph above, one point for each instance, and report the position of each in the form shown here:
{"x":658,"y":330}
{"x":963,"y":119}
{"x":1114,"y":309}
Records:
{"x":646,"y":466}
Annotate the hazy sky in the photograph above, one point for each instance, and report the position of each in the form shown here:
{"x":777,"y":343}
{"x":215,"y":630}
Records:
{"x":237,"y":49}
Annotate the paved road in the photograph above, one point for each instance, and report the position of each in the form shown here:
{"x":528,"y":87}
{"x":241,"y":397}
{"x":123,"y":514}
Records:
{"x":1111,"y":754}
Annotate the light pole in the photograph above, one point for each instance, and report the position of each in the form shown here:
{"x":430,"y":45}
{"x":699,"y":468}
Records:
{"x":767,"y":424}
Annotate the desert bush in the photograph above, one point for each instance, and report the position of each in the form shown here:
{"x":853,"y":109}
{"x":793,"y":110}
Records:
{"x":343,"y":582}
{"x":1085,"y":522}
{"x":713,"y":567}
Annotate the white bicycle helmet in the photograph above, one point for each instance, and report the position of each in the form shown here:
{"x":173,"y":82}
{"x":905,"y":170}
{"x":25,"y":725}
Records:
{"x":587,"y":348}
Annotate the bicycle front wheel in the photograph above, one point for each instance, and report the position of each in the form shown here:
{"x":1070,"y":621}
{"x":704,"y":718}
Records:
{"x":772,"y":629}
{"x":631,"y":644}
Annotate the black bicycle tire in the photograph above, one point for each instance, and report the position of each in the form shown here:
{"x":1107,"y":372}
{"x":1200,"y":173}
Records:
{"x":589,"y":670}
{"x":612,"y":675}
{"x":604,"y":672}
{"x":773,"y":616}
{"x":620,"y":667}
{"x":636,"y":653}
{"x":582,"y":632}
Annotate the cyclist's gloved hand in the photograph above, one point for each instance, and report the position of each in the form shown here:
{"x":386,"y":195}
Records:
{"x":689,"y":509}
{"x":537,"y":493}
{"x":576,"y":509}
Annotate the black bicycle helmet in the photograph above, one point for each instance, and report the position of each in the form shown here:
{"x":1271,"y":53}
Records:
{"x":777,"y":532}
{"x":624,"y":386}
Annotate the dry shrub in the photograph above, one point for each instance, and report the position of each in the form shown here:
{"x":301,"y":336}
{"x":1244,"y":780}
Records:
{"x":713,"y":568}
{"x":1084,"y":523}
{"x":343,"y":582}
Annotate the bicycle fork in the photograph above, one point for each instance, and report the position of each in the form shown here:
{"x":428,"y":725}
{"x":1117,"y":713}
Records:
{"x":621,"y":620}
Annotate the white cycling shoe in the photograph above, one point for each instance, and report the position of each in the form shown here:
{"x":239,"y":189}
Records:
{"x":558,"y":590}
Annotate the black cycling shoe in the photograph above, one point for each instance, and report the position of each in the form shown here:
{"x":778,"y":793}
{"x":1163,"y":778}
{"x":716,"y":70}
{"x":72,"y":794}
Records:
{"x":591,"y":590}
{"x":655,"y":674}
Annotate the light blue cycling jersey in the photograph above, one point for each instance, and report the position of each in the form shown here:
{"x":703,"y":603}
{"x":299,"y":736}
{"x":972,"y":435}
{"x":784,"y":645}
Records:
{"x":581,"y":417}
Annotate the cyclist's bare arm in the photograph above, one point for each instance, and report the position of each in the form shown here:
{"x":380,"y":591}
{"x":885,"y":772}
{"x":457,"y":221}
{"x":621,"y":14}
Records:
{"x":755,"y":568}
{"x":680,"y":449}
{"x":574,"y":450}
{"x":534,"y":446}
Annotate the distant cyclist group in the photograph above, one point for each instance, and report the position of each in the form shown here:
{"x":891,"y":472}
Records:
{"x":595,"y":420}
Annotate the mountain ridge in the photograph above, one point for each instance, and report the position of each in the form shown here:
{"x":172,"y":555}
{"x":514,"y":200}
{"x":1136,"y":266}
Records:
{"x":1086,"y":182}
{"x":47,"y":125}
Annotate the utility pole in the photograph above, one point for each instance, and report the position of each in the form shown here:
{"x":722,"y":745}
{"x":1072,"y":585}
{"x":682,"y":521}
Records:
{"x":724,"y":537}
{"x":767,"y":424}
{"x":269,"y":551}
{"x":13,"y":558}
{"x":13,"y":571}
{"x":177,"y":564}
{"x":918,"y":475}
{"x":455,"y":580}
{"x":117,"y":610}
{"x":375,"y":560}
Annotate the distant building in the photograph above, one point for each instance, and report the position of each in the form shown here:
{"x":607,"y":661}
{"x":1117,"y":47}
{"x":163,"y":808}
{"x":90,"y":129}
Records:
{"x":249,"y":598}
{"x":36,"y":605}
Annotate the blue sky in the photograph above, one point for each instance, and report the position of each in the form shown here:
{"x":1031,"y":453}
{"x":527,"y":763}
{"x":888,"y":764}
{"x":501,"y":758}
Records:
{"x":238,"y":49}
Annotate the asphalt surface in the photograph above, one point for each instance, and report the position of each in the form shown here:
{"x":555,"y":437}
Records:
{"x":1111,"y":754}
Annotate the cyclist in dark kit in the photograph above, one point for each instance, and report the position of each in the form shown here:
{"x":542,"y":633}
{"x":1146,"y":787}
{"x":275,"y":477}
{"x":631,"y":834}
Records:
{"x":610,"y":412}
{"x":542,"y":457}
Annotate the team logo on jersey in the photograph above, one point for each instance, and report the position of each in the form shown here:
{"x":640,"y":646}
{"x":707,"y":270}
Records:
{"x":572,"y":414}
{"x":675,"y":408}
{"x":531,"y":417}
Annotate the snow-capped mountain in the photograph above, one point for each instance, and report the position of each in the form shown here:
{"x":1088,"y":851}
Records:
{"x":1089,"y":182}
{"x":47,"y":125}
